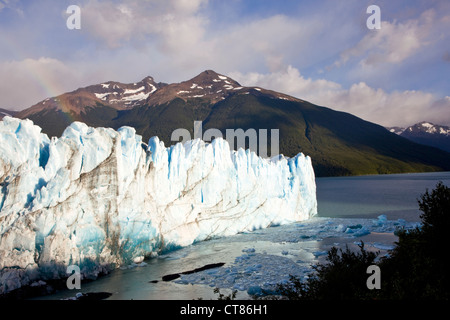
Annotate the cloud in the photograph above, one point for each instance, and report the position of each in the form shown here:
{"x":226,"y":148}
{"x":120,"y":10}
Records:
{"x":393,"y":43}
{"x":397,"y":108}
{"x":118,"y":23}
{"x":13,"y":5}
{"x":180,"y":36}
{"x":446,"y":56}
{"x":28,"y":81}
{"x":176,"y":39}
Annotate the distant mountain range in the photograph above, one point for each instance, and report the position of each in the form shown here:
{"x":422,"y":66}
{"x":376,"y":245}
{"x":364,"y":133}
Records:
{"x":338,"y":142}
{"x":426,"y":133}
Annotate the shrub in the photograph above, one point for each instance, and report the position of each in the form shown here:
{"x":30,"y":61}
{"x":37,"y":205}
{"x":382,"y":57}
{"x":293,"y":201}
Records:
{"x":416,"y":269}
{"x":343,"y":277}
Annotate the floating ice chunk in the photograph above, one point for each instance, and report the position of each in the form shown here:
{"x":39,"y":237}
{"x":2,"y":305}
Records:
{"x":255,"y":291}
{"x":383,"y":246}
{"x":320,"y":253}
{"x":361,"y":232}
{"x":381,"y":220}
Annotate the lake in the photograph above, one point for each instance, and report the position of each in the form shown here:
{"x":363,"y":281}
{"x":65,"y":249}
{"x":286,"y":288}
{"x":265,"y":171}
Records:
{"x":394,"y":195}
{"x":350,"y":210}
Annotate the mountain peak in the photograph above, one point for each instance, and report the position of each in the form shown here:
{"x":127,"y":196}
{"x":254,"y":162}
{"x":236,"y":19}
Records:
{"x":212,"y":77}
{"x":208,"y":85}
{"x":426,"y":133}
{"x":428,"y":127}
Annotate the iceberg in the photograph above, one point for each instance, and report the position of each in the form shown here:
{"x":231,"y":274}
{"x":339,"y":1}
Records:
{"x":100,"y":198}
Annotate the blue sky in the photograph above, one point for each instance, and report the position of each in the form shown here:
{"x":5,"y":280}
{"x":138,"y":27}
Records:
{"x":320,"y":51}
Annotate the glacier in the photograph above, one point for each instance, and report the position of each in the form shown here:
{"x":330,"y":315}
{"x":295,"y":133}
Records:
{"x":100,"y":198}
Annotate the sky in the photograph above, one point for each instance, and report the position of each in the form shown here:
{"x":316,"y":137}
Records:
{"x":319,"y":51}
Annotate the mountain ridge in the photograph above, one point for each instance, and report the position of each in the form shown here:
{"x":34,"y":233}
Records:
{"x":426,"y":133}
{"x":339,"y":143}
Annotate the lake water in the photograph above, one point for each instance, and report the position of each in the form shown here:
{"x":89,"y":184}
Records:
{"x":351,"y":209}
{"x":394,"y":195}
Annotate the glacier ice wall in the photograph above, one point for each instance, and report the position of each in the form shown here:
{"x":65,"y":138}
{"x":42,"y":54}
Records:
{"x":100,"y":198}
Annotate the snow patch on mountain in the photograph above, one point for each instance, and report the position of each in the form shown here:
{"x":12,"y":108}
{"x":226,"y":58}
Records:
{"x":137,"y":97}
{"x":131,"y":91}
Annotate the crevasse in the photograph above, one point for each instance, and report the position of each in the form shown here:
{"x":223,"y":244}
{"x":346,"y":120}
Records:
{"x":100,"y":198}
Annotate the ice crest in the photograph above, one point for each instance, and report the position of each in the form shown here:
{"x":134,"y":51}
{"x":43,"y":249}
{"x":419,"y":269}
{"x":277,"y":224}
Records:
{"x":100,"y":198}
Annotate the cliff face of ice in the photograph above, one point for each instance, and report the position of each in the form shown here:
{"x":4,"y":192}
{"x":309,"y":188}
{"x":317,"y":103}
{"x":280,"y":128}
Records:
{"x":99,"y":198}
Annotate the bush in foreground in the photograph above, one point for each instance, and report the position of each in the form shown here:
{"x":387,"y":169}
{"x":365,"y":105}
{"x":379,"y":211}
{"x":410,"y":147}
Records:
{"x":417,"y":268}
{"x":342,"y":277}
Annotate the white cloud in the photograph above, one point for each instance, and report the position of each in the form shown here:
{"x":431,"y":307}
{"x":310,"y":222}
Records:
{"x":181,"y":37}
{"x":395,"y":42}
{"x":397,"y":108}
{"x":29,"y":81}
{"x":174,"y":40}
{"x":116,"y":24}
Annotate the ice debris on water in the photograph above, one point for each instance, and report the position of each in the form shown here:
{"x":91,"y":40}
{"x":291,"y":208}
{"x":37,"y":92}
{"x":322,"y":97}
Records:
{"x":259,"y":269}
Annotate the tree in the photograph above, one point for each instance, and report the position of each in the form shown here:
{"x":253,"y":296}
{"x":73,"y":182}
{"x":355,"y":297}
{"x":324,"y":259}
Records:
{"x":342,"y":277}
{"x":418,"y":266}
{"x":416,"y":269}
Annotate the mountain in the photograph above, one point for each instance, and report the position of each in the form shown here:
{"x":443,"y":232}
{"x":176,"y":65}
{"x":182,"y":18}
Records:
{"x":426,"y":133}
{"x":96,"y":105}
{"x":338,"y":142}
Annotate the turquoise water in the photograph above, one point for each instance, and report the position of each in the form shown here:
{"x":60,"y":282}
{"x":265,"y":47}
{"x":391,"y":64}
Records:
{"x":264,"y":257}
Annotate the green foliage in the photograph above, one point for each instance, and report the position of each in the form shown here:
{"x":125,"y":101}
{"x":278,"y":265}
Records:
{"x":417,"y":268}
{"x":436,"y":213}
{"x":343,"y":277}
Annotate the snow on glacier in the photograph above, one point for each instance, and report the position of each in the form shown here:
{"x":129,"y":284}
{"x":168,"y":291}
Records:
{"x":100,"y":198}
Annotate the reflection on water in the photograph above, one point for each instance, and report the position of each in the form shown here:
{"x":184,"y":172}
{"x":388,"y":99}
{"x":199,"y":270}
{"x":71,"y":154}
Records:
{"x":348,"y":211}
